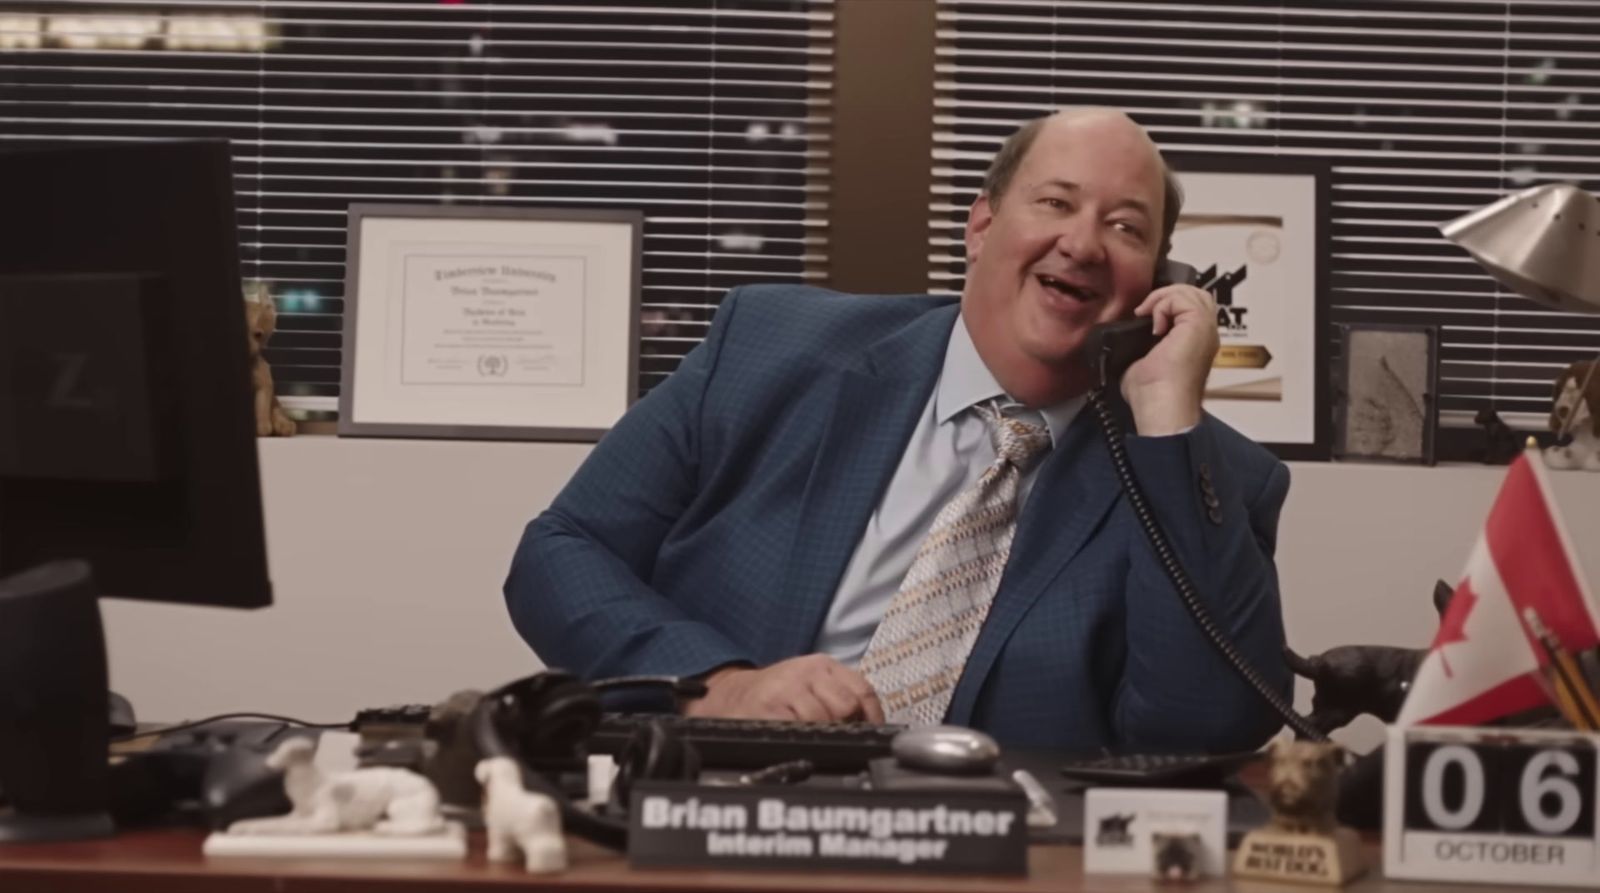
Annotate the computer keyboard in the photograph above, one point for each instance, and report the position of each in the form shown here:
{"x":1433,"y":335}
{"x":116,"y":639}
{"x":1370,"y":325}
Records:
{"x":755,"y":744}
{"x":1179,"y":770}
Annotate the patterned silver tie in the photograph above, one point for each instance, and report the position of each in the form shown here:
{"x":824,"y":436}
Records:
{"x":919,"y":649}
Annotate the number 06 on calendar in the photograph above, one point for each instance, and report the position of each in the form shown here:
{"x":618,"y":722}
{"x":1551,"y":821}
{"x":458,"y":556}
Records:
{"x":1491,"y":805}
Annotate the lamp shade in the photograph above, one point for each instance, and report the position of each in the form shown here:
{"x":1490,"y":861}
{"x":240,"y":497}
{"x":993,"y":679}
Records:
{"x":1542,"y":243}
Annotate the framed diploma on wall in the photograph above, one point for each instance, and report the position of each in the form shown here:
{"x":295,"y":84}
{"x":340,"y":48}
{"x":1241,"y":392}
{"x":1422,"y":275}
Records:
{"x":489,"y":323}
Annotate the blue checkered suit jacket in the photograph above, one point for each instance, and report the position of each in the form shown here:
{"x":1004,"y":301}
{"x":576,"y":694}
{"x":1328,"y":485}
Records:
{"x":713,"y":523}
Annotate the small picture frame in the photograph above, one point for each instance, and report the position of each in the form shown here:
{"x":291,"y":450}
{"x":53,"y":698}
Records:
{"x":1386,"y":404}
{"x":498,"y":323}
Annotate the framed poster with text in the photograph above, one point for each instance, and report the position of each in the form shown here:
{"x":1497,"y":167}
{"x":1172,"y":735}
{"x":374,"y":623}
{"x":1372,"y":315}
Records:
{"x":1257,"y":230}
{"x":489,"y":323}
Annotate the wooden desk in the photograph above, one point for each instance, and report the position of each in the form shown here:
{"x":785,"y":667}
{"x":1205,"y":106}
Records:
{"x":169,"y":861}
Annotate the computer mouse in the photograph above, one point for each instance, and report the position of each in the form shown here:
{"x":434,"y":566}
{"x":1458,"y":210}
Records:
{"x":948,"y":750}
{"x":238,"y":784}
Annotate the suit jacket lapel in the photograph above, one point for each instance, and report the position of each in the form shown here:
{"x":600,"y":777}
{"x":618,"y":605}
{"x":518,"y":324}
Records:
{"x":876,"y":406}
{"x":1075,"y":488}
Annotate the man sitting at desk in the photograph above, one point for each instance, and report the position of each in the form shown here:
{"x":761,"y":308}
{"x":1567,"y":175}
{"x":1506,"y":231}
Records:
{"x":895,"y":508}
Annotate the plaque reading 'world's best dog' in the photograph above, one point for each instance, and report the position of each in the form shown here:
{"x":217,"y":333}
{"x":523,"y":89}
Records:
{"x":676,"y":824}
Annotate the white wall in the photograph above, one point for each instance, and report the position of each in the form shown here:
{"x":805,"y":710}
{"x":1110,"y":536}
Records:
{"x":388,"y":555}
{"x":386,"y":559}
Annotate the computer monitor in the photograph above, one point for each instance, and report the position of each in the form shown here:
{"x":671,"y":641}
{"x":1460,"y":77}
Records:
{"x":127,"y":441}
{"x":127,"y":433}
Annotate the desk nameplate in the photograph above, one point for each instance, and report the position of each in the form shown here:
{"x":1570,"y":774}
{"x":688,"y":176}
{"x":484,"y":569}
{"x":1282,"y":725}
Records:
{"x":679,"y":824}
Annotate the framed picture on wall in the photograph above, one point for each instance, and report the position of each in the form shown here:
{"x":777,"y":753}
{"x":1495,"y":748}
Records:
{"x":1257,"y":230}
{"x":489,"y":323}
{"x":1386,"y":403}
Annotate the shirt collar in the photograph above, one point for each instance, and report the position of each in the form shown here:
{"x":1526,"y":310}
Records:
{"x":965,"y":381}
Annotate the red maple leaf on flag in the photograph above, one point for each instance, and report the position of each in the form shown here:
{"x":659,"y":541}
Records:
{"x":1453,"y":625}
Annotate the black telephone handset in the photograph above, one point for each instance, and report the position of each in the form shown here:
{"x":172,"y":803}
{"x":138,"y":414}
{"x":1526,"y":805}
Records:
{"x":1114,"y":346}
{"x":1109,"y":350}
{"x":1172,"y":271}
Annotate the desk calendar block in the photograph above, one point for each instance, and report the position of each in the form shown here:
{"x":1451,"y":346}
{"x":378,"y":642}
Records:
{"x":1491,"y":805}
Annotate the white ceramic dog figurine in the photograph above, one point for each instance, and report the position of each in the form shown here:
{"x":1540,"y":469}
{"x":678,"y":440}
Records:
{"x":519,"y":819}
{"x":1576,"y":409}
{"x":386,"y":801}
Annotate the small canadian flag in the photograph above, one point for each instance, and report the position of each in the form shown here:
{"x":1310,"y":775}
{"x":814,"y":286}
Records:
{"x":1485,"y":662}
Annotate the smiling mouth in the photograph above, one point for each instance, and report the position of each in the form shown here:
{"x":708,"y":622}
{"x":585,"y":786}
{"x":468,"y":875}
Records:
{"x":1067,"y":289}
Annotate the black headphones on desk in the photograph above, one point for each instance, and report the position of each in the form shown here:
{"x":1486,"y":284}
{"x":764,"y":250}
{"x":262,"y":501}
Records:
{"x":542,"y":722}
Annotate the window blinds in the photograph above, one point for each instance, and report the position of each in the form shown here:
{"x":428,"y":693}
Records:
{"x":1425,"y":109}
{"x":710,"y":116}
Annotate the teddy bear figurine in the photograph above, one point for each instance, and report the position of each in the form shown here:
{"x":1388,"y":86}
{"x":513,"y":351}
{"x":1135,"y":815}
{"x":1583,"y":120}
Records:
{"x":261,"y":318}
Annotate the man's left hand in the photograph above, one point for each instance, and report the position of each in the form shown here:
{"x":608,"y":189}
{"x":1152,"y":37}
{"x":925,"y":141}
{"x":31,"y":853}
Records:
{"x":1164,"y":387}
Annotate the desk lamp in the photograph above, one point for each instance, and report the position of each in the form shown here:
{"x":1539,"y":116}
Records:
{"x":1542,"y":243}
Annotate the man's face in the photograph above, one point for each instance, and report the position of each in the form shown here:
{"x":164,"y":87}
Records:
{"x":1072,"y":242}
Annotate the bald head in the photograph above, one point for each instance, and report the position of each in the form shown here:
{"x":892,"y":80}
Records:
{"x":1097,"y":122}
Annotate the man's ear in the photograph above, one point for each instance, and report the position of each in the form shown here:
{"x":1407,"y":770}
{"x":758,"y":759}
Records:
{"x":978,"y":220}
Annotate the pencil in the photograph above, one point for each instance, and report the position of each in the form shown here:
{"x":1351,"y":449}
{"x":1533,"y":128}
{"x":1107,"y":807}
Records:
{"x":1577,"y":682}
{"x":1550,"y":684}
{"x":1565,"y":703}
{"x":1580,"y":687}
{"x":1572,"y":695}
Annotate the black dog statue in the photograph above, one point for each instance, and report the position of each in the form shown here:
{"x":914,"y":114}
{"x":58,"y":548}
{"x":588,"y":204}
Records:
{"x":1354,"y":679}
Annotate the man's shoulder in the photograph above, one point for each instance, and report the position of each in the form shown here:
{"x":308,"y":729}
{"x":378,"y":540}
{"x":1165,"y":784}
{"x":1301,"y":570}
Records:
{"x":773,"y":344}
{"x":800,"y":308}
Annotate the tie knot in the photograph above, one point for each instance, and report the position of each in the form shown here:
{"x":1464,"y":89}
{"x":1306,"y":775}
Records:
{"x":1018,"y":441}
